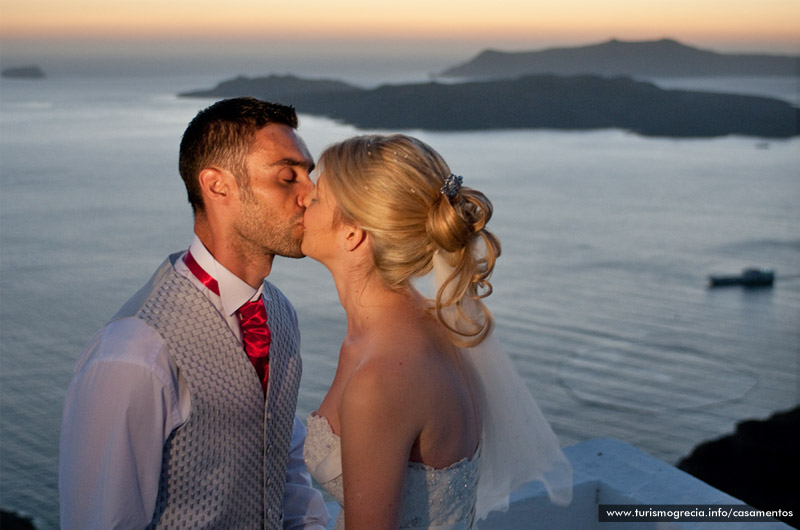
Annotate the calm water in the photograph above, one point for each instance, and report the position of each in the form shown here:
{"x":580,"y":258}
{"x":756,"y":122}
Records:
{"x":600,"y":294}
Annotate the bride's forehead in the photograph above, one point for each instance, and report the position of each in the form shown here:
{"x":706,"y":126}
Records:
{"x":317,"y":175}
{"x":321,"y":189}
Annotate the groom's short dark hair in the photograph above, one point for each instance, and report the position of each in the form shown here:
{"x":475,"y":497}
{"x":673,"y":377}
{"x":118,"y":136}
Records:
{"x":222,"y":135}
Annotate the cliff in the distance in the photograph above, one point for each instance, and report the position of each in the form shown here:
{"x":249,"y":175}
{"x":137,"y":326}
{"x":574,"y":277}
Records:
{"x":543,"y":101}
{"x":648,"y":59}
{"x":758,"y":464}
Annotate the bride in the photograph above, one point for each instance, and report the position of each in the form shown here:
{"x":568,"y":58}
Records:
{"x":426,"y":424}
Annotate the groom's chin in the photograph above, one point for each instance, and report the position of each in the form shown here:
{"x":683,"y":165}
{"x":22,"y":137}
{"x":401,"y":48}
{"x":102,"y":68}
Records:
{"x":290,"y":250}
{"x":295,"y":253}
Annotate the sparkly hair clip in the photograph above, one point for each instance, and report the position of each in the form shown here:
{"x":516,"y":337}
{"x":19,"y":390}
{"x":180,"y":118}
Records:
{"x":451,"y":186}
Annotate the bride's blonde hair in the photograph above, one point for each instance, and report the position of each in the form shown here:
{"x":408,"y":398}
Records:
{"x":392,"y":187}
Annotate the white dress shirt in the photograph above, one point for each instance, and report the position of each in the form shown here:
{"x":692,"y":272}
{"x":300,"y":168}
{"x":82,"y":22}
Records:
{"x":124,"y":401}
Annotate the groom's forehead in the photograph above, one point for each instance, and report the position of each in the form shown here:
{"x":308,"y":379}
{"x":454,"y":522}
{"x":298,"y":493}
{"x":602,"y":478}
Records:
{"x":280,"y":145}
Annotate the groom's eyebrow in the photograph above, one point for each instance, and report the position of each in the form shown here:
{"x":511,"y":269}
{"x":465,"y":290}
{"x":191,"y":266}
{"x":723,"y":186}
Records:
{"x":293,"y":162}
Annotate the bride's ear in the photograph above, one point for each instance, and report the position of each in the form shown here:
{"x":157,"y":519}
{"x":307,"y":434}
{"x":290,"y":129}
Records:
{"x":354,"y":238}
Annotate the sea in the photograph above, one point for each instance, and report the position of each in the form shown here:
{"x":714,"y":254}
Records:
{"x":601,"y":294}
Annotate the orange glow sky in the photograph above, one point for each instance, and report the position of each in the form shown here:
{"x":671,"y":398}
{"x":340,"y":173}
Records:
{"x":743,"y":25}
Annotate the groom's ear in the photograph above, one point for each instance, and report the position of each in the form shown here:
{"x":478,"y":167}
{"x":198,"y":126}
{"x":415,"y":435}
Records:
{"x":215,"y":184}
{"x":354,"y":238}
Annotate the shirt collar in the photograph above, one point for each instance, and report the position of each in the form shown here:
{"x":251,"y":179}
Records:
{"x":233,"y":291}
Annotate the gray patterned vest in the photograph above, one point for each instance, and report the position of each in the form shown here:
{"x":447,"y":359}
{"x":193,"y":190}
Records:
{"x":232,"y":448}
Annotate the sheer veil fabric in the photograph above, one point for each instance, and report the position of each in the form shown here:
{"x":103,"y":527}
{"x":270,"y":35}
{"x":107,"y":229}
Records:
{"x":517,"y":443}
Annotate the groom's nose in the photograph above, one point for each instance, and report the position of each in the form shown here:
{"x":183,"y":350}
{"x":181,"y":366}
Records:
{"x":305,"y":198}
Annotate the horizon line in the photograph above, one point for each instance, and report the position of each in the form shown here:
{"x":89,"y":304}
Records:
{"x":508,"y":44}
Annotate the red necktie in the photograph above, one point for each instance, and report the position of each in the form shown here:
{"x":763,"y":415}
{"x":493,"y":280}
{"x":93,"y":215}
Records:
{"x":256,"y":335}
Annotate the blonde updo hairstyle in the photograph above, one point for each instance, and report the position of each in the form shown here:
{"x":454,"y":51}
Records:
{"x":390,"y":186}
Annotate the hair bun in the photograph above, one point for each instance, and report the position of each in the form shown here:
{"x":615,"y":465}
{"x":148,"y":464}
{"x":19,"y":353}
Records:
{"x":446,"y":226}
{"x":452,"y":223}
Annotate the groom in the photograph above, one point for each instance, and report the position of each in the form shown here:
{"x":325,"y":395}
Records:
{"x":181,"y":411}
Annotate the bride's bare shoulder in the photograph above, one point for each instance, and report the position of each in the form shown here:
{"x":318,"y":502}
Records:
{"x":389,"y":364}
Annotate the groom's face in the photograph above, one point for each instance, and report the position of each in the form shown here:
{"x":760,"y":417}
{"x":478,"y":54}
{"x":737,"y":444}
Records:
{"x":271,"y":205}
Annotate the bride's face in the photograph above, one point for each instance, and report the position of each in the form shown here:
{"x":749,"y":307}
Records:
{"x":319,"y":237}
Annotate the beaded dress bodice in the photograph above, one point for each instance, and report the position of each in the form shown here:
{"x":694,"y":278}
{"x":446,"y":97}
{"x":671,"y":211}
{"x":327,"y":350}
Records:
{"x":441,"y":499}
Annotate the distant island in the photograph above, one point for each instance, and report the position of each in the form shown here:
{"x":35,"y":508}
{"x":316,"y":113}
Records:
{"x":591,"y":87}
{"x":580,"y":102}
{"x":23,"y":72}
{"x":645,"y":59}
{"x":279,"y":88}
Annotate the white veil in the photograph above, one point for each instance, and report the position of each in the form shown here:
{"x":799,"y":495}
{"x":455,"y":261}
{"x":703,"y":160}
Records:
{"x":517,"y":443}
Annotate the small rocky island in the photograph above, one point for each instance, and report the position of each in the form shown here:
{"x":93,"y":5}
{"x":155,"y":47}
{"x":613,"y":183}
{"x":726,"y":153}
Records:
{"x":663,"y":58}
{"x":23,"y":72}
{"x":579,"y":102}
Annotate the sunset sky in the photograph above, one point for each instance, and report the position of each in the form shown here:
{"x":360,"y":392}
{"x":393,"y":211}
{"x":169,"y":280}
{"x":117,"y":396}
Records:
{"x":358,"y":40}
{"x":738,"y":25}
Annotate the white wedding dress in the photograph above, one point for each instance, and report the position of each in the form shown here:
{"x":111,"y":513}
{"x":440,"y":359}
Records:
{"x":433,"y":499}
